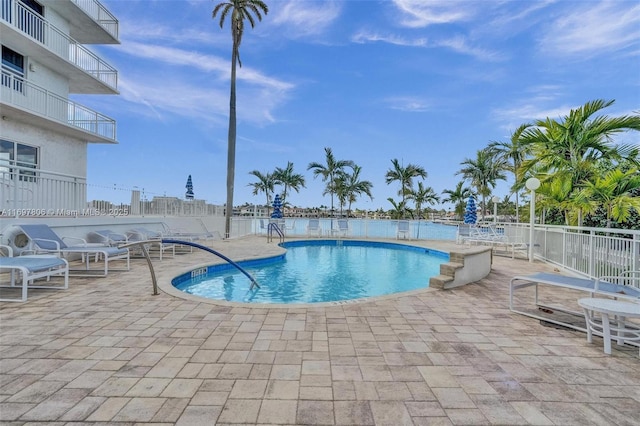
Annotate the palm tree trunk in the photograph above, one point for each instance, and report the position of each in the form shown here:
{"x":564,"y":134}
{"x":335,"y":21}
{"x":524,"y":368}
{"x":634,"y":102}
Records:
{"x":231,"y":149}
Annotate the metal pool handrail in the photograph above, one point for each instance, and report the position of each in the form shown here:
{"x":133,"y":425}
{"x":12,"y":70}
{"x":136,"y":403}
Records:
{"x":154,"y":280}
{"x":212,"y":251}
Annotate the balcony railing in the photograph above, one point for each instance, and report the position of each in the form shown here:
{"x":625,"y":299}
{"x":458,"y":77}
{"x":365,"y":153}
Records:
{"x":27,"y":96}
{"x":100,"y":14}
{"x":33,"y":25}
{"x":30,"y":192}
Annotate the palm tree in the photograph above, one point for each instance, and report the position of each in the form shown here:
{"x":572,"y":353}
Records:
{"x":614,"y":192}
{"x":405,"y":176}
{"x":458,"y":197}
{"x":287,"y":178}
{"x":349,"y":187}
{"x":570,"y":148}
{"x":513,"y":153}
{"x":423,"y":195}
{"x":238,"y":11}
{"x":329,"y":172}
{"x":400,"y":209}
{"x":264,"y":184}
{"x":483,"y":172}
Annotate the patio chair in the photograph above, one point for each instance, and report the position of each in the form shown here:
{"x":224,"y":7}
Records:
{"x":403,"y":229}
{"x":314,"y":228}
{"x":31,"y":268}
{"x":343,"y":228}
{"x":42,"y":239}
{"x":465,"y":233}
{"x":154,"y":238}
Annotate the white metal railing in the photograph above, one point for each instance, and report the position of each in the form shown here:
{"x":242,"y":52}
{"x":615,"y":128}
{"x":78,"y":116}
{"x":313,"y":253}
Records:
{"x":100,"y":14}
{"x":593,"y":252}
{"x":30,"y":97}
{"x":29,"y":192}
{"x":25,"y":20}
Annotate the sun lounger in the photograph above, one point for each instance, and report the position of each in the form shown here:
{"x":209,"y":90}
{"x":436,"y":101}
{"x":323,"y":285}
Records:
{"x":31,"y":268}
{"x":624,"y":286}
{"x":42,"y":239}
{"x":155,"y":238}
{"x":107,"y":237}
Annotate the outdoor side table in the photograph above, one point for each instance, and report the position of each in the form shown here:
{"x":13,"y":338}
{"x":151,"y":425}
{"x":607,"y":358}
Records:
{"x":620,"y":311}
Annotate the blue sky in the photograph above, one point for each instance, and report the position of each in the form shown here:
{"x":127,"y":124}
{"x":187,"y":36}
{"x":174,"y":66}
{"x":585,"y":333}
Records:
{"x":427,"y":82}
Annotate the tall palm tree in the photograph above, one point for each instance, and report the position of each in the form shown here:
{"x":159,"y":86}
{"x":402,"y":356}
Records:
{"x":238,"y":11}
{"x":423,"y":195}
{"x":483,"y":172}
{"x":288,"y":179}
{"x":264,"y":184}
{"x":349,"y":187}
{"x":458,"y":197}
{"x":513,"y":152}
{"x":405,"y":176}
{"x":329,"y":171}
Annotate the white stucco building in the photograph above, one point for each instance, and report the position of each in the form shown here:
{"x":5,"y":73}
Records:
{"x":44,"y":135}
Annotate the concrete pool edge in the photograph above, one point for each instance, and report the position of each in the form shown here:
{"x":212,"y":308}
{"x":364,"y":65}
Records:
{"x":166,"y":286}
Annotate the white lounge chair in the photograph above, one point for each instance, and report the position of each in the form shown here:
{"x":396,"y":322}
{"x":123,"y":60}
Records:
{"x":154,"y":238}
{"x":107,"y":237}
{"x":31,"y":268}
{"x":624,"y":286}
{"x":42,"y":239}
{"x":314,"y":228}
{"x":403,"y":229}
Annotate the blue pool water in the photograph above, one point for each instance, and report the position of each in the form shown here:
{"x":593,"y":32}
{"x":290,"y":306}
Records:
{"x":319,"y":271}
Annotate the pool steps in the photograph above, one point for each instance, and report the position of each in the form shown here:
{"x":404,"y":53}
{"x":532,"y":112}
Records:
{"x":464,"y":267}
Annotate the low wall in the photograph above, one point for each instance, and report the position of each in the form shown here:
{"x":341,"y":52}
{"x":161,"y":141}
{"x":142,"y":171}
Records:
{"x":464,"y":267}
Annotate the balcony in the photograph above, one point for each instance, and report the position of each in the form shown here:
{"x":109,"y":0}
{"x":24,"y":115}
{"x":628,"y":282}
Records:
{"x":25,"y":101}
{"x":44,"y":42}
{"x":90,"y":22}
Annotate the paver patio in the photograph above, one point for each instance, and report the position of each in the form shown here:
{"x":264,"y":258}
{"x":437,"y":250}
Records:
{"x":107,"y":350}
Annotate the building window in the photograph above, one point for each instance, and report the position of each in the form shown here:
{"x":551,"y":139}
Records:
{"x":20,"y":159}
{"x":34,"y":5}
{"x":12,"y":69}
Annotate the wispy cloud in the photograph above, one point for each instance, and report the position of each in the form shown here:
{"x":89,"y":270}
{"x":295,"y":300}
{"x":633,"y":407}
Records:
{"x":407,"y":104}
{"x":206,"y":63}
{"x":305,"y":18}
{"x":459,"y":44}
{"x":592,"y":29}
{"x":170,"y":91}
{"x":372,"y":37}
{"x":419,"y":13}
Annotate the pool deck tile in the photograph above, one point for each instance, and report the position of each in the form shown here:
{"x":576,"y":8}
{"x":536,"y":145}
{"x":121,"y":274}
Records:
{"x":107,"y":350}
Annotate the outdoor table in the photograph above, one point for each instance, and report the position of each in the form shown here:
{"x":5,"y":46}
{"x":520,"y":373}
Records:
{"x":620,"y":310}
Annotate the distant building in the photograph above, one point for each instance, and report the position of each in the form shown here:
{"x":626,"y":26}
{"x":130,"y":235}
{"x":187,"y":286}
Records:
{"x":44,"y":60}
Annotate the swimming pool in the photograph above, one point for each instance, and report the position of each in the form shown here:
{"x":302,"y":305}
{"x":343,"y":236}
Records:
{"x":319,"y":271}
